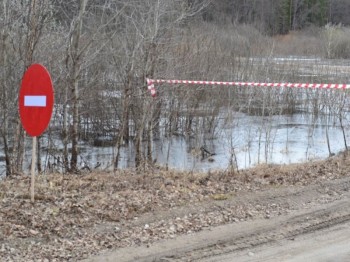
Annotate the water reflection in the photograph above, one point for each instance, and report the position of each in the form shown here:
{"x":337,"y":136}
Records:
{"x":249,"y":141}
{"x":243,"y":142}
{"x":253,"y":140}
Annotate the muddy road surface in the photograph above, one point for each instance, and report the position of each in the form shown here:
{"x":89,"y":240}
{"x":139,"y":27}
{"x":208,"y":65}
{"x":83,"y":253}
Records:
{"x":315,"y":227}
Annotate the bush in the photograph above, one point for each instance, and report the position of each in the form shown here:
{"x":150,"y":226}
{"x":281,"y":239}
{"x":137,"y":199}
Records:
{"x":336,"y":41}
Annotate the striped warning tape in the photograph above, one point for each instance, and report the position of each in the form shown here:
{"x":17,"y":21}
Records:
{"x":152,"y":82}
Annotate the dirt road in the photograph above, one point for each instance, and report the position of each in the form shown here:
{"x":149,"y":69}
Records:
{"x":316,"y":227}
{"x":326,"y":245}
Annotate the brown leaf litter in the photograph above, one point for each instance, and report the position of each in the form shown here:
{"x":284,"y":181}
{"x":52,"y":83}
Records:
{"x":75,"y":216}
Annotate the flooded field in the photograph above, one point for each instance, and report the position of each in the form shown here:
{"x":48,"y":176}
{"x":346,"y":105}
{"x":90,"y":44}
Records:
{"x":285,"y":139}
{"x":250,"y":141}
{"x":252,"y":126}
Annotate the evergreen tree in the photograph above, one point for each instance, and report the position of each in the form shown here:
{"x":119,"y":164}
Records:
{"x":317,"y":12}
{"x":286,"y":16}
{"x":323,"y":12}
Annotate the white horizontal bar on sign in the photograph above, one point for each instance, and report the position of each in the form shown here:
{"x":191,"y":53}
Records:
{"x":32,"y":101}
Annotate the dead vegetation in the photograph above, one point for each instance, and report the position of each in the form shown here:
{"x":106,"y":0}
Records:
{"x":76,"y":216}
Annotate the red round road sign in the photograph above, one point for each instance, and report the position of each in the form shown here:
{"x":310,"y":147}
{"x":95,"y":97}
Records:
{"x":36,"y":100}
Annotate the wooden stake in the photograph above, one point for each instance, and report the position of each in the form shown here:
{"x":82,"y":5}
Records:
{"x":33,"y":169}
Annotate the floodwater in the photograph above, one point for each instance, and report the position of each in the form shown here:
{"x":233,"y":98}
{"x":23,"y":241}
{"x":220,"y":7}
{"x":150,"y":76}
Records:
{"x":246,"y":142}
{"x":254,"y":140}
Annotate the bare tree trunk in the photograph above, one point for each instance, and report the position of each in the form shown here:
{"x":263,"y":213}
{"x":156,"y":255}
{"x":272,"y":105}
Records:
{"x":76,"y":34}
{"x":328,"y":115}
{"x":65,"y":132}
{"x":342,"y":104}
{"x":5,"y":113}
{"x":343,"y":131}
{"x":124,"y":131}
{"x":140,"y":129}
{"x":138,"y":149}
{"x":75,"y":131}
{"x":18,"y":148}
{"x":150,"y":141}
{"x":32,"y":38}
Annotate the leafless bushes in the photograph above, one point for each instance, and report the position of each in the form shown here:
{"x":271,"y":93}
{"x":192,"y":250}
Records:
{"x":336,"y":41}
{"x":100,"y":53}
{"x":331,"y":41}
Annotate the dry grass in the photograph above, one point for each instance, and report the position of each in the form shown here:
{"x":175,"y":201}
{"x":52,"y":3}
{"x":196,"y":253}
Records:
{"x":84,"y":211}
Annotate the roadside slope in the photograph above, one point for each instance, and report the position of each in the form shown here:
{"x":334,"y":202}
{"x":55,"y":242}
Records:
{"x":81,"y":216}
{"x":318,"y":217}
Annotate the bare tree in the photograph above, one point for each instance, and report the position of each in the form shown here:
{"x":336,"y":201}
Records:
{"x":146,"y":28}
{"x":22,"y":25}
{"x":4,"y":38}
{"x":74,"y":61}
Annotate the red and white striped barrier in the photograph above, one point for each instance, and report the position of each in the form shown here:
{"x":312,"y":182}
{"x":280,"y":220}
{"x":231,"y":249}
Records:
{"x":152,"y":82}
